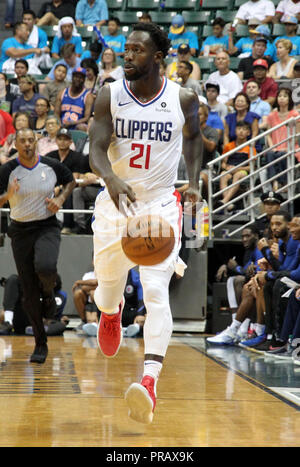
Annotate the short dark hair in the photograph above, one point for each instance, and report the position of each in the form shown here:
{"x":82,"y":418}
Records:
{"x":67,"y":50}
{"x":219,"y":22}
{"x":253,"y":229}
{"x":17,"y":26}
{"x":157,"y":35}
{"x":24,"y":62}
{"x":290,"y":96}
{"x":61,"y":64}
{"x":188,"y":65}
{"x":242,"y":123}
{"x":116,"y":20}
{"x":29,"y":12}
{"x":285,"y":214}
{"x":96,"y":47}
{"x":90,"y":63}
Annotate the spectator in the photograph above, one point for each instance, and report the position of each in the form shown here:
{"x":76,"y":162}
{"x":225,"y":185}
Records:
{"x":179,"y":35}
{"x":91,"y":12}
{"x":20,"y":120}
{"x":268,"y":86}
{"x":21,"y":69}
{"x":92,"y":72}
{"x":212,"y":90}
{"x":257,"y":105}
{"x":261,"y":10}
{"x":212,"y":44}
{"x":271,"y":204}
{"x":284,"y":109}
{"x":48,"y":143}
{"x":145,"y":17}
{"x":16,"y":47}
{"x":287,"y":8}
{"x":6,"y":126}
{"x":244,"y":45}
{"x":86,"y":192}
{"x":94,"y":52}
{"x":184,"y":71}
{"x":83,"y":298}
{"x":114,"y":39}
{"x":6,"y":97}
{"x":245,"y":68}
{"x":296,"y":73}
{"x":69,"y":59}
{"x":243,"y":130}
{"x":66,"y":34}
{"x":42,"y":108}
{"x":229,"y":82}
{"x":183,"y":53}
{"x":52,"y":88}
{"x":51,"y":12}
{"x":26,"y":102}
{"x":37,"y":37}
{"x":284,"y":68}
{"x":74,"y":161}
{"x":291,"y":26}
{"x":109,"y":67}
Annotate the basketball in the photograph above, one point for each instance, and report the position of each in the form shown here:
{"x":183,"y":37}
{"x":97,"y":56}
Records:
{"x":148,"y":240}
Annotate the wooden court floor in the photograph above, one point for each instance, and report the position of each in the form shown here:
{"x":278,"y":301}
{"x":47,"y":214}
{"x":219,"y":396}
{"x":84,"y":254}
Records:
{"x":205,"y":399}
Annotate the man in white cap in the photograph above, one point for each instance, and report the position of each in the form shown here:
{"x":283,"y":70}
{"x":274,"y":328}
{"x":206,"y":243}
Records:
{"x":66,"y":34}
{"x":178,"y":35}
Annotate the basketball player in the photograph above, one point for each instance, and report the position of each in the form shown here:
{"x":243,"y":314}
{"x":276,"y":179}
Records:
{"x":136,"y":144}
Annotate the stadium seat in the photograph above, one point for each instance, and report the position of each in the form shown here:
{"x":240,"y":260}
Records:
{"x":206,"y":64}
{"x":217,"y":4}
{"x":234,"y":63}
{"x":207,"y":31}
{"x":228,"y":16}
{"x":197,"y":17}
{"x":126,"y":17}
{"x":50,"y":31}
{"x":77,"y":135}
{"x":116,"y":4}
{"x":179,"y":5}
{"x":143,"y":5}
{"x":238,"y":3}
{"x":278,"y":30}
{"x":242,"y":30}
{"x":162,"y":17}
{"x":195,"y":29}
{"x":86,"y":32}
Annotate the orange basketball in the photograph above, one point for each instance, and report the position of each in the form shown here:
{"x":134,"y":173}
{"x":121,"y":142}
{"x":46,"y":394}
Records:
{"x":149,"y":240}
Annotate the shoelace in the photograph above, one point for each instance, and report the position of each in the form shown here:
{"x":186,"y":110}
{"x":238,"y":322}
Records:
{"x":111,"y":327}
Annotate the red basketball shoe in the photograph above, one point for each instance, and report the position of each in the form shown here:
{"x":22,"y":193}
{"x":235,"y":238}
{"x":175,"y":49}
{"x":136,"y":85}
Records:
{"x":109,"y":332}
{"x":141,"y":400}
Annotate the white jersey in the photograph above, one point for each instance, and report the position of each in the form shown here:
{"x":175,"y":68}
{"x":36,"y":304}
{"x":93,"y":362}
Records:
{"x":147,"y":141}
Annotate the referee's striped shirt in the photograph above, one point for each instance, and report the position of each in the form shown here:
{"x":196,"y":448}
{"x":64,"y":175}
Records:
{"x":36,"y":184}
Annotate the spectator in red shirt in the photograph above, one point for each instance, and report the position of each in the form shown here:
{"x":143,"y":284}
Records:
{"x":268,"y":86}
{"x":6,"y":126}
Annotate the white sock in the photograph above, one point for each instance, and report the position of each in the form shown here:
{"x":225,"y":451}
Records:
{"x":259,"y":329}
{"x":235,"y":325}
{"x":152,"y":368}
{"x":8,"y":316}
{"x":233,"y":316}
{"x":245,"y":325}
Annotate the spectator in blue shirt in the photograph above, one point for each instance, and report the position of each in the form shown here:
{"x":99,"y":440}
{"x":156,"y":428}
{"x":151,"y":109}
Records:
{"x":244,"y":45}
{"x":291,"y":26}
{"x":258,"y":106}
{"x":94,"y":52}
{"x":37,"y":37}
{"x":178,"y":35}
{"x":66,"y":34}
{"x":91,"y":12}
{"x":69,"y":59}
{"x":113,"y":39}
{"x":217,"y":40}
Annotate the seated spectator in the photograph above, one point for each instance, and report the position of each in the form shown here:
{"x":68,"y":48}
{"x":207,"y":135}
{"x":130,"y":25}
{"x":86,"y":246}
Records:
{"x":21,"y":69}
{"x":114,"y":39}
{"x":94,"y":52}
{"x":268,"y":86}
{"x":92,"y":72}
{"x":184,"y":71}
{"x":42,"y":108}
{"x":245,"y":68}
{"x":229,"y":82}
{"x":20,"y":120}
{"x":212,"y":44}
{"x":51,"y":12}
{"x":76,"y":162}
{"x":244,"y":45}
{"x":16,"y":47}
{"x":37,"y":37}
{"x":271,"y":204}
{"x":85,"y":193}
{"x":242,"y":113}
{"x":26,"y":102}
{"x":212,"y":90}
{"x":286,"y":8}
{"x":179,"y":35}
{"x":91,"y":12}
{"x":66,"y":34}
{"x":16,"y":320}
{"x":69,"y":59}
{"x":243,"y":130}
{"x":291,"y":26}
{"x":48,"y":143}
{"x":53,"y":87}
{"x":284,"y":109}
{"x":296,"y":71}
{"x":258,"y":106}
{"x":83,"y":298}
{"x":6,"y":126}
{"x":145,"y":17}
{"x":109,"y":67}
{"x":6,"y":97}
{"x":261,"y":10}
{"x":284,"y":68}
{"x":183,"y":53}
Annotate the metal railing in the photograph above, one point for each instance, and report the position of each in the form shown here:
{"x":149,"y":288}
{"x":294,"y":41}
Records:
{"x":257,"y":171}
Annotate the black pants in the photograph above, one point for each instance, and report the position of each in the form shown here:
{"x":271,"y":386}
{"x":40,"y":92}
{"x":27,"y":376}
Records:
{"x":291,"y":323}
{"x":35,"y":248}
{"x":275,"y":306}
{"x":12,"y":300}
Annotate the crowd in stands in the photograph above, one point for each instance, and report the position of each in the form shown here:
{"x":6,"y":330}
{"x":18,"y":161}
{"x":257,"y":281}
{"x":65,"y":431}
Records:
{"x":50,"y":84}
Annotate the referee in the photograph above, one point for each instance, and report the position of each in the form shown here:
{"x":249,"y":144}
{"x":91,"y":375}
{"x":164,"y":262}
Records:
{"x":28,"y":183}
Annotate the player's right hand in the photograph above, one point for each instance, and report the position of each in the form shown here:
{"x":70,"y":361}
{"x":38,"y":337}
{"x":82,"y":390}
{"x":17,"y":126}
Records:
{"x":122,"y":195}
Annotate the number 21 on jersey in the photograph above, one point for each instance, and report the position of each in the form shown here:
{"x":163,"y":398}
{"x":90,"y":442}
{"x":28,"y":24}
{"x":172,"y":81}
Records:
{"x":143,"y":152}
